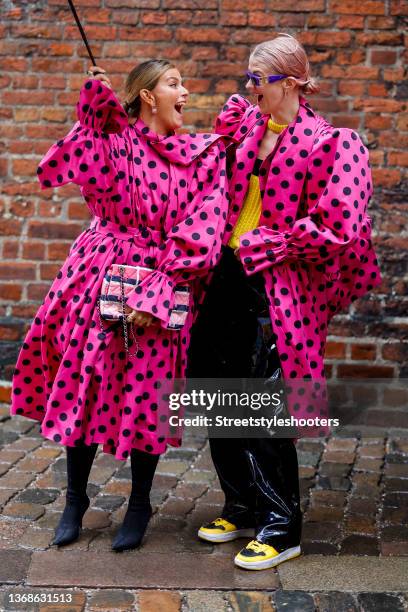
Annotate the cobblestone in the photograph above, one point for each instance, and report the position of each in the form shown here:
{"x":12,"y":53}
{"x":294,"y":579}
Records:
{"x":107,"y":600}
{"x":38,"y":496}
{"x":295,"y":601}
{"x":23,"y":511}
{"x":355,"y":496}
{"x":151,"y":601}
{"x":372,"y":602}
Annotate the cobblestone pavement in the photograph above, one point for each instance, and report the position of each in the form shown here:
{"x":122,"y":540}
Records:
{"x":355,"y":537}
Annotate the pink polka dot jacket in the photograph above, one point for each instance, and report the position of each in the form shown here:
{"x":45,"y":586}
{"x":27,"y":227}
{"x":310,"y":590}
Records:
{"x":313,"y":243}
{"x":159,"y":202}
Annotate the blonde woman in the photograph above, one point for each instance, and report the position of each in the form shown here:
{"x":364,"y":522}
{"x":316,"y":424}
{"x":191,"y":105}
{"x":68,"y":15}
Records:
{"x":158,"y":201}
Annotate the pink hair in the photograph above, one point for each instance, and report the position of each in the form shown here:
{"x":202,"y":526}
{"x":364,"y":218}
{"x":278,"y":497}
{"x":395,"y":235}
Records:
{"x":285,"y":55}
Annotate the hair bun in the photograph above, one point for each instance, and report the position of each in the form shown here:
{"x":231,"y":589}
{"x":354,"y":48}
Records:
{"x":311,"y":87}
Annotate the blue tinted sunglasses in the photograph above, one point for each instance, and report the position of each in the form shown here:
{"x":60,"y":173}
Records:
{"x":257,"y":80}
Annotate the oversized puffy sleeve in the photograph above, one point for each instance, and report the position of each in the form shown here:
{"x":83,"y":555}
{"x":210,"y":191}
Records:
{"x":193,"y":245}
{"x":228,"y":122}
{"x":337,"y":191}
{"x":84,"y":156}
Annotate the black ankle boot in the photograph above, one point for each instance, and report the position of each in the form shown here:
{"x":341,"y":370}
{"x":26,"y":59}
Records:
{"x":139,"y":510}
{"x":133,"y":528}
{"x":79,"y":463}
{"x":69,"y":528}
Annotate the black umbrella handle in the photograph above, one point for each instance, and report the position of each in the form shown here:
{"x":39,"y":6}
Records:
{"x":81,"y":29}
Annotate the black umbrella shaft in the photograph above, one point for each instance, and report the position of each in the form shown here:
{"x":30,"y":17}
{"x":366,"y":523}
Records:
{"x":81,"y":29}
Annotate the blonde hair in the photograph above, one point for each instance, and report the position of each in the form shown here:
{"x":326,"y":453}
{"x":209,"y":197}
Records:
{"x":144,"y":76}
{"x":285,"y":55}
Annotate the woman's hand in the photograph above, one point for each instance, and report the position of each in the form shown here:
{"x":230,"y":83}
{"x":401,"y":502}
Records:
{"x":95,"y":72}
{"x":144,"y":319}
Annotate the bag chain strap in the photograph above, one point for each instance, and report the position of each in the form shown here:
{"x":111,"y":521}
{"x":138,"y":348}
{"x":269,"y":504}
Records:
{"x":125,"y":329}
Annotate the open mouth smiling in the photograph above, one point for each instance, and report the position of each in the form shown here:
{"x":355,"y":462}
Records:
{"x":179,"y":107}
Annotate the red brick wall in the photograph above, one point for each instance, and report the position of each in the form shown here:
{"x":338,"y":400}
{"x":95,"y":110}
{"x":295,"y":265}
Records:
{"x":357,"y":50}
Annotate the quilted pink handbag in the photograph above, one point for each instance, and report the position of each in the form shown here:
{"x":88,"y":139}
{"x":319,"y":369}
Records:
{"x":120,"y":281}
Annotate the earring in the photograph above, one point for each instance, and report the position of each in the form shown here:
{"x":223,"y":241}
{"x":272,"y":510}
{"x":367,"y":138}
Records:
{"x":154,"y":110}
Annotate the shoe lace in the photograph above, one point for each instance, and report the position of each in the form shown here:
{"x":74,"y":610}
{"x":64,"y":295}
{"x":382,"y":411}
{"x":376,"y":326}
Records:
{"x":219,"y":521}
{"x":257,"y":546}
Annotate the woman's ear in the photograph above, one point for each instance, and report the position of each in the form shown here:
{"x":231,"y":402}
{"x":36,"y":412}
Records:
{"x":289,"y":84}
{"x":147,"y":96}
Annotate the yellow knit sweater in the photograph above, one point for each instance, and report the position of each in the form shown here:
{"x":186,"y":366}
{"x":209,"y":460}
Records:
{"x":251,"y":210}
{"x":250,"y":213}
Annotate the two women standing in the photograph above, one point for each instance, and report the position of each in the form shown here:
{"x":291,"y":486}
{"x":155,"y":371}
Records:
{"x":296,"y":249}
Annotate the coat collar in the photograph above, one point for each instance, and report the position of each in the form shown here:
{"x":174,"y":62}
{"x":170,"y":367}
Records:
{"x":298,"y":136}
{"x":181,"y":149}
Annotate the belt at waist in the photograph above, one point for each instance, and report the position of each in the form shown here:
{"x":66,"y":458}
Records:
{"x":141,"y":236}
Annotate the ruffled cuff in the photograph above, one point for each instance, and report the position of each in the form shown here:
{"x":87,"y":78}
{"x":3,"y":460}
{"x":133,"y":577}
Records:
{"x":231,"y":115}
{"x":100,"y":109}
{"x":261,"y":248}
{"x":158,"y":295}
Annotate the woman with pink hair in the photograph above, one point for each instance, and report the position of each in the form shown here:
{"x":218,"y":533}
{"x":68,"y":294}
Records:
{"x":297,"y":250}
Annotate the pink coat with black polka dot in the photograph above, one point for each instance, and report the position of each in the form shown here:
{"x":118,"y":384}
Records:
{"x":313,"y":243}
{"x":159,"y":202}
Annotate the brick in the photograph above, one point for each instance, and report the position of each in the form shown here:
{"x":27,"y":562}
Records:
{"x":241,"y":5}
{"x":146,"y":33}
{"x":45,"y":229}
{"x":381,"y":23}
{"x":260,"y":19}
{"x":398,"y":158}
{"x":362,"y":506}
{"x":202,"y":35}
{"x":359,"y":545}
{"x":37,"y":291}
{"x":383,"y":57}
{"x":205,"y":18}
{"x":386,"y":177}
{"x":378,"y":122}
{"x":363,"y":371}
{"x":10,"y":249}
{"x":333,"y":39}
{"x":232,"y":18}
{"x":379,"y":38}
{"x":335,"y":350}
{"x":358,"y":7}
{"x":354,"y":56}
{"x":10,"y":291}
{"x":292,"y":20}
{"x":16,"y":270}
{"x":395,"y":352}
{"x":176,"y":17}
{"x":58,"y":250}
{"x":363,"y":352}
{"x":354,"y":22}
{"x":398,"y":7}
{"x":320,"y":21}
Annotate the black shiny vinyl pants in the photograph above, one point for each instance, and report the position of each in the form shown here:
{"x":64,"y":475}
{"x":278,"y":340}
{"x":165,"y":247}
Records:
{"x":259,"y":476}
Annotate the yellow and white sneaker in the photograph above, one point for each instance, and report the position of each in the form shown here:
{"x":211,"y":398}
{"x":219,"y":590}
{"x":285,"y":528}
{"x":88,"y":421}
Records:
{"x":258,"y":556}
{"x":222,"y":530}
